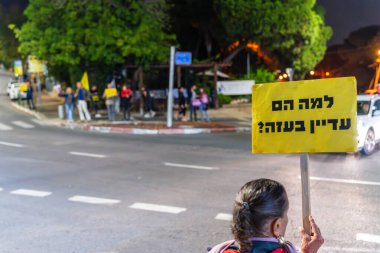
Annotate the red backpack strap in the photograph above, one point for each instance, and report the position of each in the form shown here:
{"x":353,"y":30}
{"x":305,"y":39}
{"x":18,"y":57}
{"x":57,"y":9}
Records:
{"x":222,"y":247}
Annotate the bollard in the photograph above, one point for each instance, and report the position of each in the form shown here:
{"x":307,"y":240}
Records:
{"x":60,"y":112}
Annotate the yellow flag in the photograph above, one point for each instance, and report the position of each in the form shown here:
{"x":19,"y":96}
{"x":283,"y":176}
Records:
{"x":84,"y":81}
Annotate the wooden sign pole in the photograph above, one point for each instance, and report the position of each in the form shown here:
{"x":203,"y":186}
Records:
{"x":305,"y":182}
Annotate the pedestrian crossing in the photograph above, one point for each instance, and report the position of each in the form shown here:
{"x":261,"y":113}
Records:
{"x":17,"y":124}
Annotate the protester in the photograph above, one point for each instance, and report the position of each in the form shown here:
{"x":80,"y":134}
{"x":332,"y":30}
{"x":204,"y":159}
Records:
{"x":260,"y":219}
{"x":194,"y":103}
{"x":203,"y":108}
{"x":29,"y":96}
{"x":81,"y":96}
{"x":126,"y":97}
{"x":95,"y":101}
{"x":110,"y":97}
{"x":148,"y":103}
{"x":69,"y":103}
{"x":181,"y":103}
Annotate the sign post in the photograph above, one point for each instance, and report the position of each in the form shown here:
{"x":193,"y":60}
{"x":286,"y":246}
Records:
{"x":305,"y":184}
{"x":313,"y":116}
{"x":170,"y":93}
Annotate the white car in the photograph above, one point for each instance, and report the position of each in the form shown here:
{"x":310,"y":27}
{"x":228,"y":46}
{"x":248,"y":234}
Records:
{"x":15,"y":93}
{"x":10,"y":85}
{"x":368,"y":123}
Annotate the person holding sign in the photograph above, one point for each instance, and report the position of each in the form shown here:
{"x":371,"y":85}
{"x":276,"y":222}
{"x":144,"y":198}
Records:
{"x":260,"y":219}
{"x":110,"y":94}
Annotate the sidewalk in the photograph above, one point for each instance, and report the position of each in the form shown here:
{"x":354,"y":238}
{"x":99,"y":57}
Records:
{"x":230,"y":118}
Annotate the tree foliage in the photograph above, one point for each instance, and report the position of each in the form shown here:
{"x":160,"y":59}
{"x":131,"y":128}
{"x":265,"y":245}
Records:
{"x":294,"y":30}
{"x":70,"y":33}
{"x":8,"y":43}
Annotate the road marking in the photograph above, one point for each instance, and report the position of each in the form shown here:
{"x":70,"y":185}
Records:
{"x":4,"y":127}
{"x":9,"y":144}
{"x":22,"y":124}
{"x":223,"y":216}
{"x":158,"y":208}
{"x":189,"y":166}
{"x":87,"y":154}
{"x":31,"y":193}
{"x":342,"y":249}
{"x":345,"y":181}
{"x":368,"y":238}
{"x":94,"y":200}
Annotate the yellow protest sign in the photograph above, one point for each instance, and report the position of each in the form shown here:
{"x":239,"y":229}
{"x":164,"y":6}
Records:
{"x":111,"y":92}
{"x":308,"y":116}
{"x":23,"y":87}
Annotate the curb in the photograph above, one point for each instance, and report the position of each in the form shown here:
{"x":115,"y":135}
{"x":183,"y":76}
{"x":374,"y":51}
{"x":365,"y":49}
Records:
{"x":140,"y":131}
{"x":133,"y":131}
{"x":38,"y":115}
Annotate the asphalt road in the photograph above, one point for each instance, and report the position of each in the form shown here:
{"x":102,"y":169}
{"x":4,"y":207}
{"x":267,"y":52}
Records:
{"x":70,"y":191}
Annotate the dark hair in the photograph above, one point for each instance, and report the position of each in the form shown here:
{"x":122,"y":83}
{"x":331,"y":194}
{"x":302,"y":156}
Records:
{"x":257,"y":202}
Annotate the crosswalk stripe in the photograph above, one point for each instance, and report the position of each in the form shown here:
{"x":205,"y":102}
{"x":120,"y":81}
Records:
{"x":22,"y":124}
{"x":31,"y":193}
{"x":223,"y":216}
{"x":94,"y":200}
{"x":158,"y":208}
{"x":4,"y":127}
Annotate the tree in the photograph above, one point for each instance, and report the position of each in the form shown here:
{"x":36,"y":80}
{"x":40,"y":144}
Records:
{"x":95,"y":35}
{"x":293,"y":30}
{"x":8,"y":44}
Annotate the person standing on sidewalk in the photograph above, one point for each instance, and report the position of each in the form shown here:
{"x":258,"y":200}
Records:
{"x":94,"y":101}
{"x":148,"y":103}
{"x":69,"y":104}
{"x":29,"y":96}
{"x":203,"y":97}
{"x":194,"y":103}
{"x":81,"y":95}
{"x":110,"y":94}
{"x":181,"y":104}
{"x":126,"y":97}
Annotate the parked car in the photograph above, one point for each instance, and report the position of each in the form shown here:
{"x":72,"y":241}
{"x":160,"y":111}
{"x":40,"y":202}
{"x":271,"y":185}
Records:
{"x":10,"y":85}
{"x":368,"y":123}
{"x":15,"y":93}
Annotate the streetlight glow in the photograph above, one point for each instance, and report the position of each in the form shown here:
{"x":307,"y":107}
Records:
{"x":327,"y":73}
{"x":285,"y":75}
{"x":312,"y":72}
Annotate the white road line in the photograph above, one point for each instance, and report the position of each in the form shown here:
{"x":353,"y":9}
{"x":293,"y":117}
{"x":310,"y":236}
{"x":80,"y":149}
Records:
{"x":94,"y":200}
{"x":368,"y":238}
{"x":223,"y":216}
{"x":22,"y":124}
{"x":4,"y":127}
{"x":345,"y":181}
{"x":342,"y":249}
{"x":158,"y":208}
{"x":189,"y":166}
{"x":31,"y":193}
{"x":87,"y":154}
{"x":9,"y":144}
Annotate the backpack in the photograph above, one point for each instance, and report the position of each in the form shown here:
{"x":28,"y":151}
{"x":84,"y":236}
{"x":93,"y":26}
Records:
{"x":222,"y":247}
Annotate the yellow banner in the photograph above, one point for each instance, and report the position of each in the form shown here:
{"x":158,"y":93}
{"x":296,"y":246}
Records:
{"x":111,"y":92}
{"x":305,"y":116}
{"x":23,"y":87}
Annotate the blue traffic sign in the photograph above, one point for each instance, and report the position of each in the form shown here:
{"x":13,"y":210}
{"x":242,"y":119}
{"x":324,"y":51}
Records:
{"x":182,"y":58}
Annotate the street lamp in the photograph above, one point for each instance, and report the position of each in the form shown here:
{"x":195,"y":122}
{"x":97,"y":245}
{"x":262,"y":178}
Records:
{"x":312,"y":72}
{"x":327,"y":73}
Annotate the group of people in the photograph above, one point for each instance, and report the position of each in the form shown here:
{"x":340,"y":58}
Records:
{"x":197,"y":102}
{"x":79,"y":98}
{"x":116,"y":101}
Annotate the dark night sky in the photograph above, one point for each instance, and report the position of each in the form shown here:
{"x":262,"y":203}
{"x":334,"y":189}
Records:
{"x":345,"y":16}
